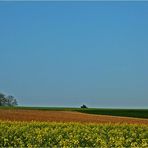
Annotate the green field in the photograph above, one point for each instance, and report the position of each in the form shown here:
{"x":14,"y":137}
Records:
{"x":137,"y":113}
{"x":43,"y":134}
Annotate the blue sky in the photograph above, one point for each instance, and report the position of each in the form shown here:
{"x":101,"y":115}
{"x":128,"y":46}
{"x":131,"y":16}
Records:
{"x":74,"y":53}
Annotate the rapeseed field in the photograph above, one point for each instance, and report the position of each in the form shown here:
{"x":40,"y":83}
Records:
{"x":53,"y":134}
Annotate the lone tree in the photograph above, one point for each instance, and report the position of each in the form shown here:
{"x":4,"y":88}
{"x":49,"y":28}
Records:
{"x":7,"y":100}
{"x":84,"y":106}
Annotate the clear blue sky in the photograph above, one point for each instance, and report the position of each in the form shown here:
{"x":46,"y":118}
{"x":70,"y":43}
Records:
{"x":74,"y":53}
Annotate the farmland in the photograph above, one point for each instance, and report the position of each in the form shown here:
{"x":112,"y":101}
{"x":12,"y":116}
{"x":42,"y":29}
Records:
{"x":63,"y":116}
{"x":137,"y":113}
{"x":24,"y":127}
{"x":43,"y":134}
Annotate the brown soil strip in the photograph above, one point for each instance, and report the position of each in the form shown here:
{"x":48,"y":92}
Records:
{"x":64,"y":116}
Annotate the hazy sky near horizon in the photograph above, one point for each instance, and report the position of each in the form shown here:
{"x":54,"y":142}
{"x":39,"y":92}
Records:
{"x":74,"y":53}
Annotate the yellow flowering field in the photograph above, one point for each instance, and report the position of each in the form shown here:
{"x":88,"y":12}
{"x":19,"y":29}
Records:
{"x":52,"y":134}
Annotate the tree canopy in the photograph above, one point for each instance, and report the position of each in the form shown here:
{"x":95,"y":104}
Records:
{"x":84,"y":106}
{"x":7,"y":100}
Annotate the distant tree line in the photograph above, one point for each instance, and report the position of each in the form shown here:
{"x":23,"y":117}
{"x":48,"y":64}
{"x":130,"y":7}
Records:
{"x":7,"y":100}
